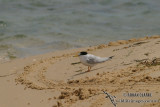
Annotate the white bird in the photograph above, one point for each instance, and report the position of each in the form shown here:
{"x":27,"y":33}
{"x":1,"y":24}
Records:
{"x":91,"y":60}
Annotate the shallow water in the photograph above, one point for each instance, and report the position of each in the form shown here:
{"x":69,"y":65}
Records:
{"x":30,"y":27}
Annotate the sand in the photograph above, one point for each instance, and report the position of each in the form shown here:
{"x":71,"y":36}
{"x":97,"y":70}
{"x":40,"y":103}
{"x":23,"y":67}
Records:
{"x":57,"y":79}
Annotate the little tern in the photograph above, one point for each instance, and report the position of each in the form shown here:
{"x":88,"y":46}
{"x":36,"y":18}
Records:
{"x":91,"y":60}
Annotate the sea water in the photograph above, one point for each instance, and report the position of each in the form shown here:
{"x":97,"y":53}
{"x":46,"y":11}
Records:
{"x":31,"y":27}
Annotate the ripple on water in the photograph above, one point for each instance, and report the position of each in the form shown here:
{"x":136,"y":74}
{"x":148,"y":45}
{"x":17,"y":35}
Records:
{"x":7,"y":52}
{"x":3,"y":24}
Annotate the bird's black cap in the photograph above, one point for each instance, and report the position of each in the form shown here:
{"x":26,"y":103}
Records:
{"x":83,"y":53}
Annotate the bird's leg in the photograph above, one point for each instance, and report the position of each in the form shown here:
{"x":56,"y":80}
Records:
{"x":89,"y":68}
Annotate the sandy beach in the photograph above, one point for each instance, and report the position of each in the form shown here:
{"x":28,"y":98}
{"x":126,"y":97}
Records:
{"x":57,"y":79}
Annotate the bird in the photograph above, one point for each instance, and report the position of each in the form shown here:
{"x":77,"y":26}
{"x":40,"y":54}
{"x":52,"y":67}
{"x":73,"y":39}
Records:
{"x":91,"y":60}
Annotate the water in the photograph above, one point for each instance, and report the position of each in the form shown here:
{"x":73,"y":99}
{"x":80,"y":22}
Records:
{"x":30,"y":27}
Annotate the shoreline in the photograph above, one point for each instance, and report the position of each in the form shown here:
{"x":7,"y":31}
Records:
{"x":4,"y":59}
{"x":51,"y":80}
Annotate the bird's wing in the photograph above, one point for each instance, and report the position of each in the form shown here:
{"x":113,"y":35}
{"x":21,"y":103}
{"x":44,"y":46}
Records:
{"x":92,"y":59}
{"x":95,"y":59}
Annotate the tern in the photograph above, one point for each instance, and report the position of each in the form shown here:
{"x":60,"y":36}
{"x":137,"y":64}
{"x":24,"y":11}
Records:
{"x":91,"y":60}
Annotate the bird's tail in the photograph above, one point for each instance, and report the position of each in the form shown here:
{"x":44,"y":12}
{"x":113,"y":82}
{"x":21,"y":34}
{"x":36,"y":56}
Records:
{"x":106,"y":59}
{"x":111,"y":57}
